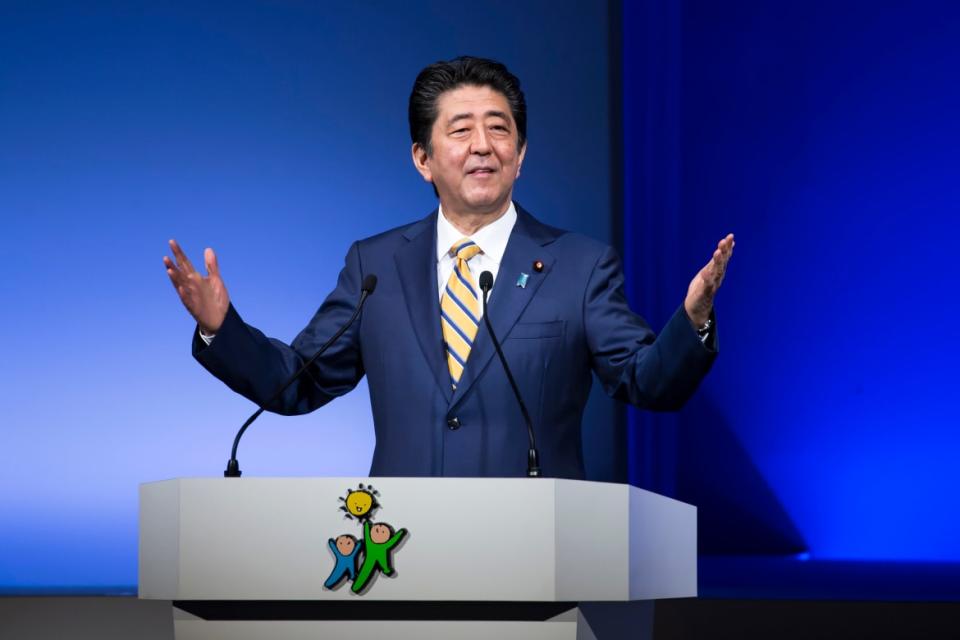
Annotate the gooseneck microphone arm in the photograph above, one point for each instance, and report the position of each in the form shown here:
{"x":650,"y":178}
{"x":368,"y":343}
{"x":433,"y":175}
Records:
{"x":233,"y":466}
{"x":533,"y":458}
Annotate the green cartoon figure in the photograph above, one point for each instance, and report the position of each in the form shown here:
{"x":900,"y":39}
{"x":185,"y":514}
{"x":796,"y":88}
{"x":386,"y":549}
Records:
{"x":377,"y":546}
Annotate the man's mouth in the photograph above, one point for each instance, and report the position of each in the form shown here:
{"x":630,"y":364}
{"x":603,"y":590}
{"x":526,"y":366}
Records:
{"x":480,"y":171}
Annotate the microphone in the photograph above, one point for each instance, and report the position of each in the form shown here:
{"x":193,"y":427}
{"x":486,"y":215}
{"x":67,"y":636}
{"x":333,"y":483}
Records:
{"x":366,"y":290}
{"x":533,"y":458}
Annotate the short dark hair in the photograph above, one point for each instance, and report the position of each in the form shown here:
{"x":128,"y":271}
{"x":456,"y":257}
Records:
{"x":462,"y":71}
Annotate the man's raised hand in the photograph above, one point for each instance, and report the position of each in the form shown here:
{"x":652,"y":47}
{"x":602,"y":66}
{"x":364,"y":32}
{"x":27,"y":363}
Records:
{"x":205,"y":297}
{"x":704,"y":286}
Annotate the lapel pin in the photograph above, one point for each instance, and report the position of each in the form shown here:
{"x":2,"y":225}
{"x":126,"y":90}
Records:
{"x":522,"y":280}
{"x":537,"y":266}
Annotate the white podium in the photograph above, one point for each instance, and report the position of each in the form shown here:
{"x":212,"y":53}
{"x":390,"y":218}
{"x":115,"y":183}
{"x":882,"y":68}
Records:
{"x":506,"y":558}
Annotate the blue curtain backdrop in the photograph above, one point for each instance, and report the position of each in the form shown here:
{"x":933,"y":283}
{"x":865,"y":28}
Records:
{"x":825,"y":136}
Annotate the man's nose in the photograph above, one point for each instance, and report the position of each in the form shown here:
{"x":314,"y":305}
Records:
{"x":481,"y":142}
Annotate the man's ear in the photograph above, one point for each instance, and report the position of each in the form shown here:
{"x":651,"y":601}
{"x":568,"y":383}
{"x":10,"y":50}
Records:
{"x":523,"y":154}
{"x":420,"y":161}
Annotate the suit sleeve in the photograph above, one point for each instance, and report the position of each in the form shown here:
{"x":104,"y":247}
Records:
{"x":254,"y":365}
{"x":633,"y":364}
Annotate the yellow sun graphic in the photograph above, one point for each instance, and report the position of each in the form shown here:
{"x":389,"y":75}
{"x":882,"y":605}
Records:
{"x":360,"y":503}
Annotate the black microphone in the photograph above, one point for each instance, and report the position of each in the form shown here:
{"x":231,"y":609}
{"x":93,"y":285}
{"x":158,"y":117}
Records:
{"x":533,"y":458}
{"x":366,"y":289}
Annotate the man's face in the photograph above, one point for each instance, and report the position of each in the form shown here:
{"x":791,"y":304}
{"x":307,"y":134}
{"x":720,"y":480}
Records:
{"x":475,"y":157}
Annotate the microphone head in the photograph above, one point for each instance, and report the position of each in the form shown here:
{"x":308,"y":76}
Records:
{"x":486,"y":281}
{"x":369,"y":283}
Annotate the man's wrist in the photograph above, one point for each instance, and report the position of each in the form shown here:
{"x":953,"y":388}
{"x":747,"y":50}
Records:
{"x":699,"y":319}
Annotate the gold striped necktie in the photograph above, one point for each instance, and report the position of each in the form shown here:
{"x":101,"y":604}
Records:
{"x":460,"y":310}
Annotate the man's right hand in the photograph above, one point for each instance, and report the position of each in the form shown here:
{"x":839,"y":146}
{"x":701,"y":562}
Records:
{"x":205,"y":297}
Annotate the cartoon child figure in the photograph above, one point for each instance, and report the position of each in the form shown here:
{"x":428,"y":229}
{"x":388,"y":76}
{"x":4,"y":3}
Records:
{"x":378,"y":541}
{"x":345,"y":550}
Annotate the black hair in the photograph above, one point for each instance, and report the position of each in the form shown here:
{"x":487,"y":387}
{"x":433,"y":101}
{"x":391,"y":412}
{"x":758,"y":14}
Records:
{"x":462,"y":71}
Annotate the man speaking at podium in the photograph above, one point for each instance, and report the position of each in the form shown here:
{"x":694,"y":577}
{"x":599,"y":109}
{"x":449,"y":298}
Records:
{"x":442,"y":403}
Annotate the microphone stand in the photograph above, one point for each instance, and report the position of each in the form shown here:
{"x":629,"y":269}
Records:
{"x":533,"y":457}
{"x":233,"y":465}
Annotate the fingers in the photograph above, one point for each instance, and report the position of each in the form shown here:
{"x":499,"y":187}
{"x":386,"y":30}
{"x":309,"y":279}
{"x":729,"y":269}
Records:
{"x":714,"y":270}
{"x":210,"y":261}
{"x":726,"y":245}
{"x":724,"y":250}
{"x":172,"y":270}
{"x":183,"y":262}
{"x":721,"y":256}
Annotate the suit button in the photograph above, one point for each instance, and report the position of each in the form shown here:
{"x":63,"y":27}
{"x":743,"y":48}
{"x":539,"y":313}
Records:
{"x":453,"y":423}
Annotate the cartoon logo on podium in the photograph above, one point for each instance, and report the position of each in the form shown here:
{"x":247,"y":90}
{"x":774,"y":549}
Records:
{"x":361,"y":560}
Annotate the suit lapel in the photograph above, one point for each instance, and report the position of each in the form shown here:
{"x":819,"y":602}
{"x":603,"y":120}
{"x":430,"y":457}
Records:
{"x":417,"y":267}
{"x":507,"y":300}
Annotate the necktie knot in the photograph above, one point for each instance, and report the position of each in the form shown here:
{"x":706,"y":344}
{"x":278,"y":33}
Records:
{"x":464,"y":249}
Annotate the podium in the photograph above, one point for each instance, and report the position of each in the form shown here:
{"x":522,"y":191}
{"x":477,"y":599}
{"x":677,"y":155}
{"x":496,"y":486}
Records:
{"x":467,"y":557}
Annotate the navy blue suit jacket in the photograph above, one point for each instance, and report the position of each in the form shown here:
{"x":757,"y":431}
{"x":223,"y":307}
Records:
{"x":571,"y":319}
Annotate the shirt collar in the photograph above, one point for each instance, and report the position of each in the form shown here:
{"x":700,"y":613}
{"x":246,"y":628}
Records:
{"x":492,"y":238}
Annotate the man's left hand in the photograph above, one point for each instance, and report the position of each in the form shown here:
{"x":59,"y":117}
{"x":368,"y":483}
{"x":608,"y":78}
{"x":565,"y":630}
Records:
{"x":703,"y":288}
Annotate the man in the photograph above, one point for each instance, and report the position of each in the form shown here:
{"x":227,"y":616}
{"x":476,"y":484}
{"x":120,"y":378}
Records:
{"x":440,"y":405}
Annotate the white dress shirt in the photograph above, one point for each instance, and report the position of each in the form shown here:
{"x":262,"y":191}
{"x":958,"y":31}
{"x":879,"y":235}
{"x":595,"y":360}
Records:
{"x":492,"y":240}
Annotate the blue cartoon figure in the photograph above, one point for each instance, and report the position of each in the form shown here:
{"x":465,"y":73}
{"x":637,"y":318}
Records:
{"x":345,"y":549}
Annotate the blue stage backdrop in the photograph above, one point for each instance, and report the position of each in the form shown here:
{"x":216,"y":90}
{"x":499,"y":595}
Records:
{"x":274,"y":132}
{"x":825,"y":135}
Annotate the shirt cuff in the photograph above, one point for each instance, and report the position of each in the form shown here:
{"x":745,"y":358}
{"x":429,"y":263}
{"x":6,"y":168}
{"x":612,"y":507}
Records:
{"x":708,"y":338}
{"x":206,"y":337}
